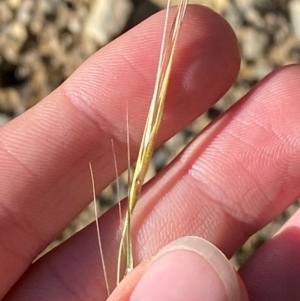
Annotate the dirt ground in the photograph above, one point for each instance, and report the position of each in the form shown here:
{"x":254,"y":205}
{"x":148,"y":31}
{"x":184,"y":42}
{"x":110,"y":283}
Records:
{"x":42,"y":42}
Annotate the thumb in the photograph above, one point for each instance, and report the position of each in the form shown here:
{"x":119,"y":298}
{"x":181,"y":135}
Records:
{"x":189,"y":268}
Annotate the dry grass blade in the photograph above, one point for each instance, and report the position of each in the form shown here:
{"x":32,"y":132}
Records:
{"x":150,"y":132}
{"x":98,"y":231}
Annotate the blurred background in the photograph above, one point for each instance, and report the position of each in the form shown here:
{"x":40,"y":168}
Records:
{"x":42,"y":42}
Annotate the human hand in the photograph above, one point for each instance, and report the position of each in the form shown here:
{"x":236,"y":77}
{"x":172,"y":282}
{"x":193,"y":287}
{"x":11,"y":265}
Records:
{"x":232,"y":180}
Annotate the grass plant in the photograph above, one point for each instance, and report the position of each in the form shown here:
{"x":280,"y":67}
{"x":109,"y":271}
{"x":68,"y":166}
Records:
{"x":150,"y":132}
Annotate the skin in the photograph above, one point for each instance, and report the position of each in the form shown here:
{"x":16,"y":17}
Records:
{"x":237,"y":176}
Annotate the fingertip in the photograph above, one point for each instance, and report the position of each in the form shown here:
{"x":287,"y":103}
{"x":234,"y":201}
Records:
{"x":206,"y":63}
{"x":189,"y":268}
{"x":272,"y":272}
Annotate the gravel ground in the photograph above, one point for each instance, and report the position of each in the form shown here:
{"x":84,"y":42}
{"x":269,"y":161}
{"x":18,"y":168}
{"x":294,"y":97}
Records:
{"x":42,"y":42}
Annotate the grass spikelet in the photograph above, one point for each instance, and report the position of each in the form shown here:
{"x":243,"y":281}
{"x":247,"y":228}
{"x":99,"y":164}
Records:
{"x":150,"y":132}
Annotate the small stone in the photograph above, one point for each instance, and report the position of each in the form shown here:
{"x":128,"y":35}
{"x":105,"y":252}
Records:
{"x":14,"y":4}
{"x":244,"y":4}
{"x":261,"y":70}
{"x":294,"y":11}
{"x":5,"y":13}
{"x":25,"y":11}
{"x":10,"y":101}
{"x":17,"y":31}
{"x":233,"y":16}
{"x":106,"y":19}
{"x":14,"y":37}
{"x":4,"y":119}
{"x":74,"y":26}
{"x":160,"y":158}
{"x":267,"y":6}
{"x":253,"y":16}
{"x":253,"y":43}
{"x":175,"y":142}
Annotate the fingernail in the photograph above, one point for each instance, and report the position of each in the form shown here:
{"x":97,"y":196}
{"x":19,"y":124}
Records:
{"x":189,"y":268}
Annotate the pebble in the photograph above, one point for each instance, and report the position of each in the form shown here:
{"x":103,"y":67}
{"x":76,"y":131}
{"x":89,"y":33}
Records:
{"x":294,"y":11}
{"x":233,"y":16}
{"x":106,"y":19}
{"x":253,"y":17}
{"x":4,"y":119}
{"x":13,"y":4}
{"x":244,"y":4}
{"x":5,"y":14}
{"x":253,"y":43}
{"x":11,"y":101}
{"x":261,"y":70}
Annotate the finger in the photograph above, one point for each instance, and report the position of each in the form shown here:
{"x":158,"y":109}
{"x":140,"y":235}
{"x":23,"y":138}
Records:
{"x":272,"y":273}
{"x":45,"y":153}
{"x":240,"y":173}
{"x":237,"y":176}
{"x":189,"y":268}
